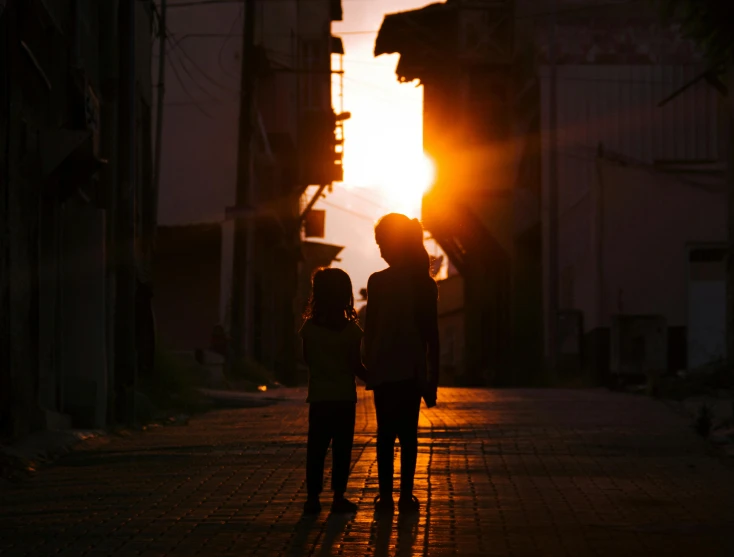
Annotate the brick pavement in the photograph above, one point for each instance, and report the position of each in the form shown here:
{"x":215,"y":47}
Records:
{"x":501,"y":473}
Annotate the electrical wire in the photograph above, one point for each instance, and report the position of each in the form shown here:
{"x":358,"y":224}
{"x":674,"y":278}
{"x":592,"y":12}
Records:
{"x":191,"y":76}
{"x":191,"y":3}
{"x":226,"y":40}
{"x":365,"y":199}
{"x":206,"y":76}
{"x":186,"y":89}
{"x":350,"y":211}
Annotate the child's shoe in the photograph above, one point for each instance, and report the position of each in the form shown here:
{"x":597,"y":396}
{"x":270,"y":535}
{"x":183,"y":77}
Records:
{"x":312,"y":506}
{"x":384,"y":505}
{"x":409,"y":505}
{"x":343,"y":506}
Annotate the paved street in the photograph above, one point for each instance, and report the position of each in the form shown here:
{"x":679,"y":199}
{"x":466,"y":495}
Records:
{"x":501,"y":473}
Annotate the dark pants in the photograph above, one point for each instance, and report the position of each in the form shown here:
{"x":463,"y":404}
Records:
{"x":329,"y":422}
{"x":397,"y":406}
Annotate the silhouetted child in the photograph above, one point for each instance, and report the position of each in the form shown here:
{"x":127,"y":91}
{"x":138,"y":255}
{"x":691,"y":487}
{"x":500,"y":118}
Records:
{"x":401,"y":352}
{"x":331,"y":349}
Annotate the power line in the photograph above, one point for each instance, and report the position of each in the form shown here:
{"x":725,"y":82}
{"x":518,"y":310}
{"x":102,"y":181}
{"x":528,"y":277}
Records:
{"x":353,"y":213}
{"x":370,"y":32}
{"x":192,"y":3}
{"x":191,"y":76}
{"x":186,"y":90}
{"x":365,"y":199}
{"x":226,"y":40}
{"x":193,"y":63}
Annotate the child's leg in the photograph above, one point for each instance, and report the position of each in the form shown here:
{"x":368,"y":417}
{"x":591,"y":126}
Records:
{"x":407,"y":428}
{"x":343,"y":422}
{"x":319,"y":436}
{"x":386,"y":434}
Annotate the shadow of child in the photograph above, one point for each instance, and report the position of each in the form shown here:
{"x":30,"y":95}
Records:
{"x":381,"y":532}
{"x":335,"y":526}
{"x":302,"y":532}
{"x":407,"y":534}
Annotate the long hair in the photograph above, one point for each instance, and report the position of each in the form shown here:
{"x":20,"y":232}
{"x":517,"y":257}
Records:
{"x":401,"y":239}
{"x":332,"y":300}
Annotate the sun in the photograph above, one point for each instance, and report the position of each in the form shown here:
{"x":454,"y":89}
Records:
{"x":405,"y":179}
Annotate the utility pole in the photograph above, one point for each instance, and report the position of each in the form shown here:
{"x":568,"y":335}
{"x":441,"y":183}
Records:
{"x":162,"y":37}
{"x":109,"y":64}
{"x":729,"y":157}
{"x":243,"y":232}
{"x":553,"y":304}
{"x":125,"y":346}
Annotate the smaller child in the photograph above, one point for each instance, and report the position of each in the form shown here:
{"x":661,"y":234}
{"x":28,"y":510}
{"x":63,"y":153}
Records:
{"x":331,"y":349}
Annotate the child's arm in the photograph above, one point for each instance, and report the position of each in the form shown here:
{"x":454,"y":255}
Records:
{"x":430,"y":326}
{"x":370,"y":318}
{"x":355,"y":358}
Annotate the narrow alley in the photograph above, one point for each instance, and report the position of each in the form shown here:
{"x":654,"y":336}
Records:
{"x":500,"y":473}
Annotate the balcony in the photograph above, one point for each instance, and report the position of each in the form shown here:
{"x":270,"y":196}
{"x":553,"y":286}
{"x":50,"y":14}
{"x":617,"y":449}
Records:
{"x":320,"y":154}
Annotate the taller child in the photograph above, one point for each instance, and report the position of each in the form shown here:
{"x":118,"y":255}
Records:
{"x":401,"y":351}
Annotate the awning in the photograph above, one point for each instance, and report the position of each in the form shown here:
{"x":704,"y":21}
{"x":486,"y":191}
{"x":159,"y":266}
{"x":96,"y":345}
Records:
{"x":318,"y":254}
{"x":424,"y":38}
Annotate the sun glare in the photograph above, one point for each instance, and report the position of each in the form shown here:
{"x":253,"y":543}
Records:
{"x":403,"y":182}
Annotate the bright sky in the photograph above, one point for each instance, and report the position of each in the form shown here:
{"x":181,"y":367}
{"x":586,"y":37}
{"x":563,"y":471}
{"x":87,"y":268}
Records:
{"x":384,"y":166}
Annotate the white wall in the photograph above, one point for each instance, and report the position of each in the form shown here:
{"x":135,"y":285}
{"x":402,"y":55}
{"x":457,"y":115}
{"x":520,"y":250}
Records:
{"x":615,"y":106}
{"x":649,"y":221}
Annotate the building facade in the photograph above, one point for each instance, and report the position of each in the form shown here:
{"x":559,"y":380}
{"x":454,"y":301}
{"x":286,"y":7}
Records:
{"x":75,"y":116}
{"x":640,"y":172}
{"x":296,"y":147}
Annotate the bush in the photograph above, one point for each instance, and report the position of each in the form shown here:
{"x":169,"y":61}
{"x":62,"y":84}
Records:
{"x":174,"y":383}
{"x":249,"y":375}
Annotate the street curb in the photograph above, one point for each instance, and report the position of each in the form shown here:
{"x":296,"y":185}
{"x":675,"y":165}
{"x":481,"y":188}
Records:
{"x":40,"y":449}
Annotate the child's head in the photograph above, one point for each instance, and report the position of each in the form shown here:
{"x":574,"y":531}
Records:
{"x":400,"y":240}
{"x":332,"y":298}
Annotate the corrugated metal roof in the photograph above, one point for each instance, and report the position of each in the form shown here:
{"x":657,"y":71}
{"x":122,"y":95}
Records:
{"x":616,"y":106}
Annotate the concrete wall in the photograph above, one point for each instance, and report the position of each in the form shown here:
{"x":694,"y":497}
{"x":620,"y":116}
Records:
{"x":451,"y":324}
{"x":649,"y":220}
{"x":616,"y":106}
{"x":626,"y":251}
{"x":82,"y":315}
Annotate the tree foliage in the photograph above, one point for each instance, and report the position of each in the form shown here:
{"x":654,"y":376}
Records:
{"x":707,"y":22}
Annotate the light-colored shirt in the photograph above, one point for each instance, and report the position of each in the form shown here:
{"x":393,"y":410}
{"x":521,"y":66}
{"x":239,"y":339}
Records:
{"x":331,"y":356}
